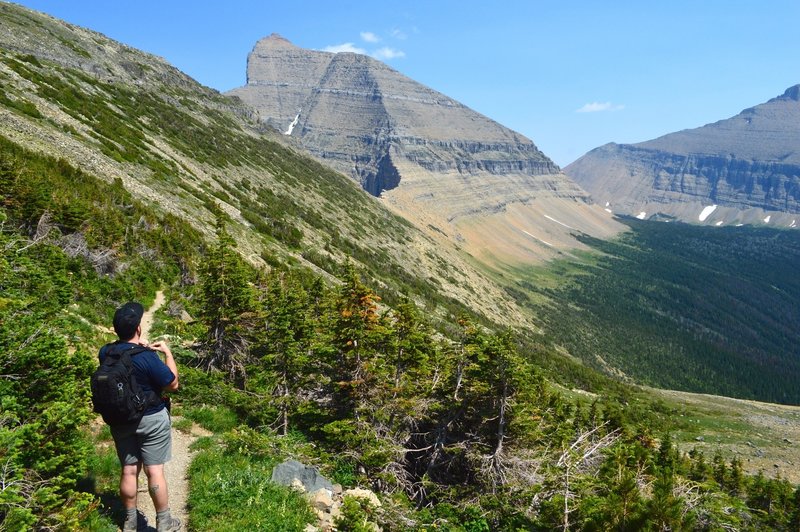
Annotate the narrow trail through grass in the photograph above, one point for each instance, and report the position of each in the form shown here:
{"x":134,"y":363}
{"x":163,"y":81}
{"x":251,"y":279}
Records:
{"x":177,"y":468}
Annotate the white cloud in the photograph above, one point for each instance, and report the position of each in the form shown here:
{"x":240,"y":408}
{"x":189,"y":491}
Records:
{"x":368,"y":36}
{"x":387,"y":53}
{"x":345,"y":47}
{"x":598,"y":107}
{"x":382,"y":54}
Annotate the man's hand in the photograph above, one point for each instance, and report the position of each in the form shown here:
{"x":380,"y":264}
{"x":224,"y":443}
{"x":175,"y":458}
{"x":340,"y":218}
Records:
{"x":169,"y":360}
{"x":162,"y":347}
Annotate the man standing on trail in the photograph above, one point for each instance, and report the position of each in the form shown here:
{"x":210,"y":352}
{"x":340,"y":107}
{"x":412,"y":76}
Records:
{"x":147,"y":443}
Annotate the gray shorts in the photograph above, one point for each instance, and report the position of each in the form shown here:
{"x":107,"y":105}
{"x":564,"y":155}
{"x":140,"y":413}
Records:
{"x":150,"y":442}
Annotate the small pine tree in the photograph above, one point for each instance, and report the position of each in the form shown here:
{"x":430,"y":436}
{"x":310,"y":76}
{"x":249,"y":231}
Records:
{"x":227,"y":301}
{"x":664,"y":509}
{"x":720,"y":470}
{"x":667,"y":456}
{"x":285,"y":349}
{"x":736,"y":478}
{"x":358,"y":336}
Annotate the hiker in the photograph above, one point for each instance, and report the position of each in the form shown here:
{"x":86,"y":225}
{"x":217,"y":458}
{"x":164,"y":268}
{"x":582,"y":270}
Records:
{"x":147,"y":442}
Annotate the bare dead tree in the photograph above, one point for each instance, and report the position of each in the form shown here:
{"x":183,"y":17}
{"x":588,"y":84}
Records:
{"x":583,"y":455}
{"x":43,"y":228}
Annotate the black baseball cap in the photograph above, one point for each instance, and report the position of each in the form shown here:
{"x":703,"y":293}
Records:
{"x":126,"y":319}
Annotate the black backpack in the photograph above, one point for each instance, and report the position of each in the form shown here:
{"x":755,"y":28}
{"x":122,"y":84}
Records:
{"x":115,"y":393}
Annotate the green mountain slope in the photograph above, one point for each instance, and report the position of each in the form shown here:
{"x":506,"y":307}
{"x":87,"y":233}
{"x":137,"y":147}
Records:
{"x":118,"y":113}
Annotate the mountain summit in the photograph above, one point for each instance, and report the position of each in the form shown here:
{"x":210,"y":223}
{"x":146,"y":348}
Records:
{"x":431,"y":158}
{"x":745,"y":169}
{"x":356,"y":111}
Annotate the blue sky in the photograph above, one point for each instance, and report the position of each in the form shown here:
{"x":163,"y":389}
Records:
{"x":570,"y":75}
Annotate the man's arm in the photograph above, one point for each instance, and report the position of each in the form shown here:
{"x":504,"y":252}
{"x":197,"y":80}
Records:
{"x":169,"y":360}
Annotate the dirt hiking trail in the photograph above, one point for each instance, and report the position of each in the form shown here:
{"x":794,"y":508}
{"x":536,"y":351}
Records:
{"x":176,"y":469}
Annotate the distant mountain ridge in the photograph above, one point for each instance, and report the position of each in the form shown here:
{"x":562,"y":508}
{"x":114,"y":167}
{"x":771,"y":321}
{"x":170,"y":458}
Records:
{"x":747,"y":167}
{"x":431,"y":158}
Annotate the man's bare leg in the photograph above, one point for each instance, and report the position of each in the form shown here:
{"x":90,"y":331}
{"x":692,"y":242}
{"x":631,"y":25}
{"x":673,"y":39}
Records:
{"x":157,"y":483}
{"x":157,"y":486}
{"x":129,"y":484}
{"x":128,"y":488}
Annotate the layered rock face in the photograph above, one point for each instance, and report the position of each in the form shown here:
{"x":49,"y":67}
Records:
{"x":747,"y":166}
{"x":433,"y":159}
{"x":358,"y":113}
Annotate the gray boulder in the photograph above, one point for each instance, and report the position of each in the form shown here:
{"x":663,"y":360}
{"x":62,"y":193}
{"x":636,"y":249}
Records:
{"x":285,"y":473}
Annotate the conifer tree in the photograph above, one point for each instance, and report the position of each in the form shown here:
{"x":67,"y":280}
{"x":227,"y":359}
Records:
{"x":485,"y":404}
{"x":720,"y":470}
{"x":664,"y":508}
{"x":227,"y":302}
{"x":667,"y":456}
{"x":43,"y":393}
{"x":410,"y":353}
{"x":736,"y":479}
{"x":358,"y":373}
{"x":624,"y":504}
{"x":358,"y":334}
{"x":286,"y":350}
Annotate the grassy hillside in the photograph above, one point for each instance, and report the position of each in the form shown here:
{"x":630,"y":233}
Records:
{"x":762,"y":435}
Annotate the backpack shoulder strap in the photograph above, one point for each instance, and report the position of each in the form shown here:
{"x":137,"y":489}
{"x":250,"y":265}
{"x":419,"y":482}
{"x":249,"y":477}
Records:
{"x":133,"y":351}
{"x":113,"y":349}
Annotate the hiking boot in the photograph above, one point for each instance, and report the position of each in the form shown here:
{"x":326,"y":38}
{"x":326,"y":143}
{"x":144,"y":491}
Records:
{"x":172,"y":524}
{"x":131,"y":525}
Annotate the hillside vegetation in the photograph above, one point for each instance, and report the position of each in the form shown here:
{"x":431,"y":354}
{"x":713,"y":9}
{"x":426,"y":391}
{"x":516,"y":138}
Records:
{"x":329,"y":330}
{"x":677,"y":306}
{"x":462,"y":432}
{"x":118,"y":113}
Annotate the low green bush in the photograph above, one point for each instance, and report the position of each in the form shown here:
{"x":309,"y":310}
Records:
{"x":213,"y":418}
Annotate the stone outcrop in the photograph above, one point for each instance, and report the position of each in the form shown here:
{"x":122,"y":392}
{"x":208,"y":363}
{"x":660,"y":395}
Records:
{"x":431,"y":158}
{"x":309,"y":477}
{"x":324,"y":498}
{"x":748,"y":166}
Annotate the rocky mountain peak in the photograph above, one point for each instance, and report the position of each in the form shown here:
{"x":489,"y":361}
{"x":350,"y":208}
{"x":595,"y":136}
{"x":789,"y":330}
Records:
{"x":353,"y":110}
{"x":744,"y":169}
{"x":792,"y":93}
{"x":275,"y":40}
{"x":432,"y":158}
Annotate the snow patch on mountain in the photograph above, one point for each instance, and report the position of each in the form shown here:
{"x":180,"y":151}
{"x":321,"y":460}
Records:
{"x":292,"y":125}
{"x":707,"y":212}
{"x":560,"y":223}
